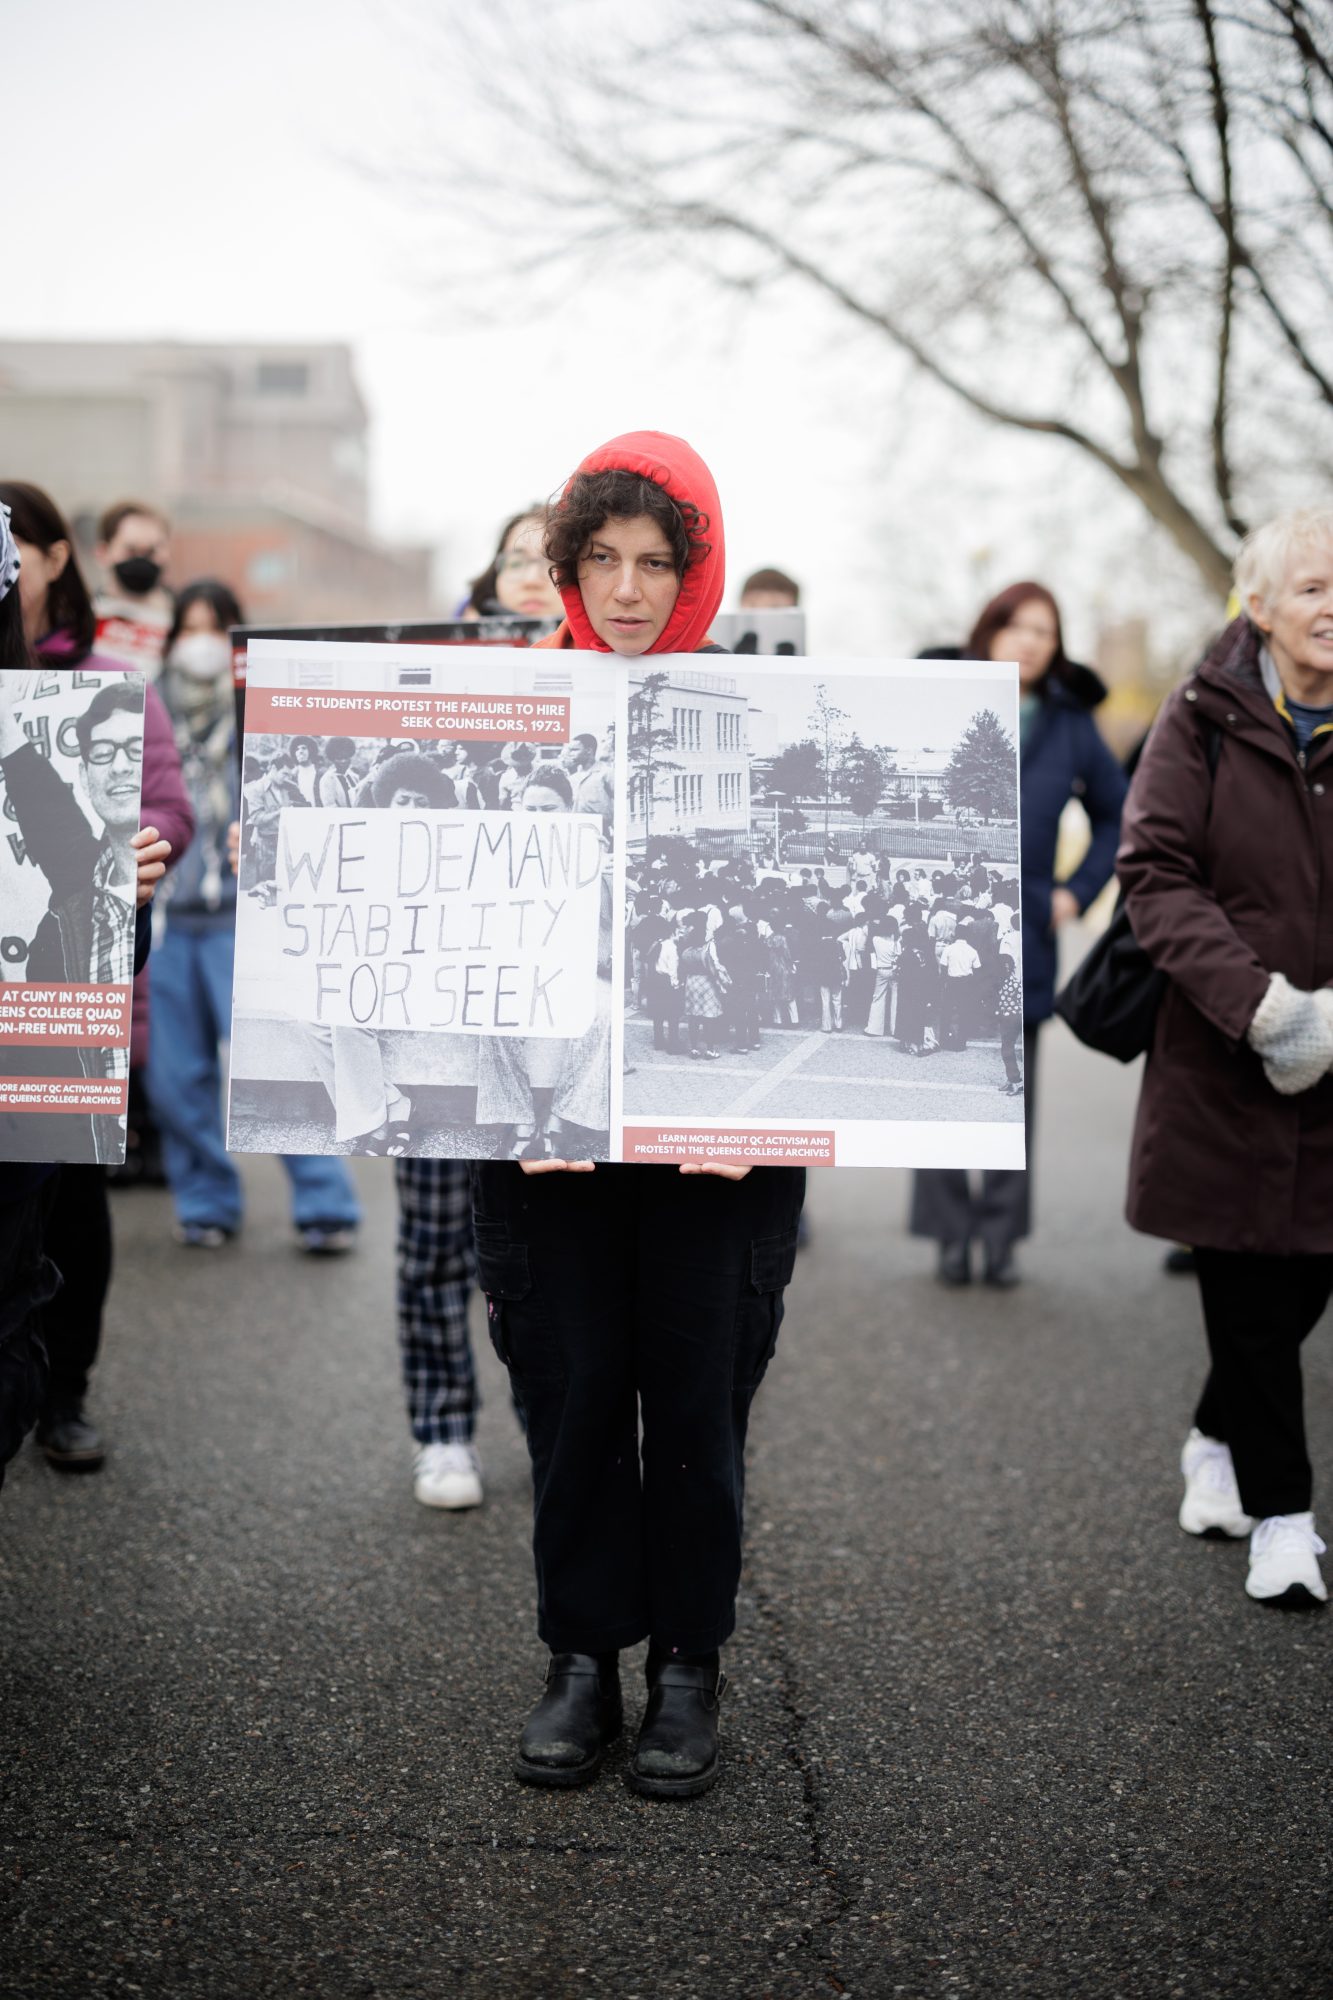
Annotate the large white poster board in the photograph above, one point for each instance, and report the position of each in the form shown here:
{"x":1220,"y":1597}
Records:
{"x":503,"y":903}
{"x":71,"y":757}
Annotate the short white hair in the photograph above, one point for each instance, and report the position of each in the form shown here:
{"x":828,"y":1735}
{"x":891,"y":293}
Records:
{"x":1266,"y":556}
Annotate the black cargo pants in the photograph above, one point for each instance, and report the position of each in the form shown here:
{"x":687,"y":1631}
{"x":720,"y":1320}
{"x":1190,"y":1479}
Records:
{"x":636,"y":1309}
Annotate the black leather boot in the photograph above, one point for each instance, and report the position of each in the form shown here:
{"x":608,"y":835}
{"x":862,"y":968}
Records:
{"x":579,"y":1714}
{"x":955,"y":1264}
{"x":70,"y":1442}
{"x":1001,"y":1272}
{"x":677,"y":1755}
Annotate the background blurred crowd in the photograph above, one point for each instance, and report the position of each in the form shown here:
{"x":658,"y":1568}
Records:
{"x":722,"y":954}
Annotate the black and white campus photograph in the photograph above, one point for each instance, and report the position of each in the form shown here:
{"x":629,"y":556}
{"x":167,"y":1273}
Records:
{"x":823,"y":907}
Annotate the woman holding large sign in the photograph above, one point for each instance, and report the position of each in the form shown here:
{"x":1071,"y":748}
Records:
{"x":636,"y":1308}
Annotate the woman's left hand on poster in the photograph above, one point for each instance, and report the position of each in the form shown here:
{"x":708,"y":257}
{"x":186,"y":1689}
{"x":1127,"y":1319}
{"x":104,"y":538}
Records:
{"x":153,"y":856}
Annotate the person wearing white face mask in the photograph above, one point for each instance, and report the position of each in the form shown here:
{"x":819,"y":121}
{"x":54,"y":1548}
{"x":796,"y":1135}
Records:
{"x":193,"y":961}
{"x":201,"y":655}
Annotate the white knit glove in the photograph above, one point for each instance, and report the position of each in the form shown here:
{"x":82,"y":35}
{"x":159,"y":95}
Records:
{"x":1293,"y":1032}
{"x":1323,"y":1000}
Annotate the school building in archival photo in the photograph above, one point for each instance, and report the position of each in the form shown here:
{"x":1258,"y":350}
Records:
{"x":919,"y":774}
{"x":689,"y":758}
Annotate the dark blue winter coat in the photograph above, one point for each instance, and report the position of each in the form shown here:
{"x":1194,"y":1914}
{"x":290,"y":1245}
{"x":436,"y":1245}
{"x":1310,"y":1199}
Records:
{"x":1063,"y":758}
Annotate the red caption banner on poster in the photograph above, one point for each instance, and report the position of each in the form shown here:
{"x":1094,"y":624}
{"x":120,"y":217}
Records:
{"x":460,"y":718}
{"x":63,"y":1093}
{"x":71,"y":1017}
{"x":735,"y":1148}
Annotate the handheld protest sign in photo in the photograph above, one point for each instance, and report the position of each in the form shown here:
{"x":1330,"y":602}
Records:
{"x":419,"y":919}
{"x":71,"y":758}
{"x":526,"y":904}
{"x":424,"y":930}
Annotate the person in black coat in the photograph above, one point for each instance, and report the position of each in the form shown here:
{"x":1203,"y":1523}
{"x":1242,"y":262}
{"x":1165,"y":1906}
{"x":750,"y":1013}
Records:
{"x":1062,"y":756}
{"x":637,"y":1308}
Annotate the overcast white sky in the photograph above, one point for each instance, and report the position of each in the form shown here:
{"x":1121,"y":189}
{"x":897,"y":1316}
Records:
{"x":184,"y":171}
{"x":908,"y":709}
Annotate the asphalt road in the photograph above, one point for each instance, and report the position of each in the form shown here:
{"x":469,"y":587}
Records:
{"x":997,"y":1726}
{"x":804,"y":1073}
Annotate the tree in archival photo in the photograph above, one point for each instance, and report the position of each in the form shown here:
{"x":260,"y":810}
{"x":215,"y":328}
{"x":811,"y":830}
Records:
{"x":981,"y":773}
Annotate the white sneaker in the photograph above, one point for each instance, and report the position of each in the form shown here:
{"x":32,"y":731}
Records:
{"x":1284,"y":1568}
{"x":1211,"y":1505}
{"x":447,"y":1475}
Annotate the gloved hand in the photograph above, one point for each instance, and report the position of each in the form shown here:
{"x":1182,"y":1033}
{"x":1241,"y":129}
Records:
{"x":1293,"y":1032}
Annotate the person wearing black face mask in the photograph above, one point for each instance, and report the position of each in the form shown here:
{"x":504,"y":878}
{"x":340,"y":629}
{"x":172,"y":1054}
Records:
{"x":138,"y":575}
{"x":134,"y":609}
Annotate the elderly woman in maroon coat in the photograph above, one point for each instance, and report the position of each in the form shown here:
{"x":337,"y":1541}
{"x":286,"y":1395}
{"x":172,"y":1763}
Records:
{"x":1227,"y":864}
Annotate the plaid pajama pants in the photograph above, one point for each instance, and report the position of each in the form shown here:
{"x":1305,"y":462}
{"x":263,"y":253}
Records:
{"x":435,"y":1278}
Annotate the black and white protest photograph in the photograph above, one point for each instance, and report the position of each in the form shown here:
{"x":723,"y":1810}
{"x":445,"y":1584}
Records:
{"x":823,"y":908}
{"x":71,"y":757}
{"x":424,"y":913}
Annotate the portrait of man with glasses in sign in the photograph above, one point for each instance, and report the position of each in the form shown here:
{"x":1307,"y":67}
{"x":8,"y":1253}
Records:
{"x":86,"y":936}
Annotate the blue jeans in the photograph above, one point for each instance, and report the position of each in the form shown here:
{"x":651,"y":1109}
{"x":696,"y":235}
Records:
{"x":192,"y":975}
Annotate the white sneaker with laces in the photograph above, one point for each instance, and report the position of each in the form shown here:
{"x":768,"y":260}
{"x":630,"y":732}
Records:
{"x":447,"y":1475}
{"x":1211,"y":1506}
{"x":1284,"y":1566}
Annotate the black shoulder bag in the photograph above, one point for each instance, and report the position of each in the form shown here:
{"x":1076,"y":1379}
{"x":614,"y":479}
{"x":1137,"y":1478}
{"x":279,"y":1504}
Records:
{"x":1111,"y":1002}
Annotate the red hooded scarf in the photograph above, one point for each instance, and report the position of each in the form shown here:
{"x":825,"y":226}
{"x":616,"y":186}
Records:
{"x":670,"y":463}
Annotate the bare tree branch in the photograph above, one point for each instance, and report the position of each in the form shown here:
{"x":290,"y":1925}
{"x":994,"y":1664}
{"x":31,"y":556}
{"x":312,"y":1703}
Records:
{"x":1226,"y":215}
{"x":1008,"y":193}
{"x":1297,"y":20}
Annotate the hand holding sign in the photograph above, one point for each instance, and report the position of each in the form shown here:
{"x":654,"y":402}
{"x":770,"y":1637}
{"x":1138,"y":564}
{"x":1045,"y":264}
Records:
{"x":153,"y":856}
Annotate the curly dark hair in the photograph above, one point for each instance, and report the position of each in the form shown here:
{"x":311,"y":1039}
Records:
{"x":414,"y":773}
{"x":593,"y":498}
